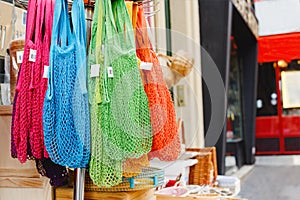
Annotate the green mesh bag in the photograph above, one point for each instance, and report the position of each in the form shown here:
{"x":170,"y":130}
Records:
{"x":124,"y":110}
{"x":103,"y":170}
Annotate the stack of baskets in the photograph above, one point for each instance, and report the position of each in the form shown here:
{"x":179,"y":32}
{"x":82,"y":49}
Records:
{"x":205,"y":171}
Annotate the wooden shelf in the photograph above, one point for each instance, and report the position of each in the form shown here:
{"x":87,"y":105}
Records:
{"x":6,"y":110}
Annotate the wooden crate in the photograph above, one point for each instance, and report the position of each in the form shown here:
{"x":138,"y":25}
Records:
{"x":66,"y":193}
{"x":18,"y":181}
{"x":10,"y":167}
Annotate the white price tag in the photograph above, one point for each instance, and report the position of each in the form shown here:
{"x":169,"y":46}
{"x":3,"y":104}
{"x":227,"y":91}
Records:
{"x":146,"y":66}
{"x":110,"y":72}
{"x":103,"y":49}
{"x":15,"y":66}
{"x":46,"y":71}
{"x":32,"y":55}
{"x":95,"y":70}
{"x":19,"y":56}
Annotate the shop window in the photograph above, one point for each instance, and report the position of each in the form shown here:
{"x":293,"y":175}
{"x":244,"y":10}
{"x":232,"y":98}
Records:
{"x":290,"y":81}
{"x":234,"y":108}
{"x":266,"y":101}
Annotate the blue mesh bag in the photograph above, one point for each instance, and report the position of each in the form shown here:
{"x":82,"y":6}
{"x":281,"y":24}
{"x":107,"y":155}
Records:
{"x":65,"y":112}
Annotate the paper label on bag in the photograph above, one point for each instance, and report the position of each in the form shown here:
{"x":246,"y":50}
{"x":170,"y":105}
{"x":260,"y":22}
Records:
{"x":15,"y":65}
{"x":110,"y":72}
{"x":146,"y":66}
{"x":32,"y":55}
{"x":102,"y":49}
{"x":19,"y":56}
{"x":46,"y":71}
{"x":95,"y":70}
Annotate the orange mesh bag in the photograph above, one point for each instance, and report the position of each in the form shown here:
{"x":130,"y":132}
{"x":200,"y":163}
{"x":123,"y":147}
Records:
{"x":166,"y":141}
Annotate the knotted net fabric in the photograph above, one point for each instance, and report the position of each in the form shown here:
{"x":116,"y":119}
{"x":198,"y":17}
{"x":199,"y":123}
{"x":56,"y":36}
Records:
{"x":103,"y":170}
{"x":124,"y":113}
{"x":46,"y":167}
{"x":63,"y":135}
{"x":80,"y":103}
{"x":28,"y":138}
{"x":166,"y":141}
{"x":133,"y":166}
{"x":56,"y":173}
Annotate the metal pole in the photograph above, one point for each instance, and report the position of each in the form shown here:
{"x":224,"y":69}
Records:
{"x":79,"y":175}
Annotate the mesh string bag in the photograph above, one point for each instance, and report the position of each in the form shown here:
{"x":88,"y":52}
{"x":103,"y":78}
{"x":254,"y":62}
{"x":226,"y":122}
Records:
{"x":62,"y":136}
{"x":133,"y":166}
{"x":166,"y":140}
{"x":23,"y":135}
{"x":80,"y":96}
{"x":103,"y":170}
{"x":46,"y":167}
{"x":124,"y":112}
{"x":57,"y":174}
{"x":36,"y":132}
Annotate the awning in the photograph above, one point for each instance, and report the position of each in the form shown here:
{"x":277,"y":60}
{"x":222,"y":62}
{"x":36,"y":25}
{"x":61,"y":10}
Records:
{"x":279,"y":47}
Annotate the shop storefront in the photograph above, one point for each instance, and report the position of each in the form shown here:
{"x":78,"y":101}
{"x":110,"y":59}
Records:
{"x":278,"y":130}
{"x":104,"y":144}
{"x":229,"y":37}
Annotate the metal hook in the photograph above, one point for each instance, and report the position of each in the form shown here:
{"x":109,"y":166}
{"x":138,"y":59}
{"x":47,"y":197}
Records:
{"x":152,"y":12}
{"x":153,"y":5}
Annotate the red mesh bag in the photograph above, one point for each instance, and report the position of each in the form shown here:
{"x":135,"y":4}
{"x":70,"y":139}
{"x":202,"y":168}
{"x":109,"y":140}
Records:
{"x":27,"y":129}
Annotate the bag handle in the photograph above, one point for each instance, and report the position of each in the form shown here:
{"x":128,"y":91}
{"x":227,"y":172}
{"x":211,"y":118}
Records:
{"x":95,"y":23}
{"x":124,"y":24}
{"x":31,"y":19}
{"x":30,"y":24}
{"x":49,"y":18}
{"x":60,"y":26}
{"x":41,"y":4}
{"x":79,"y":31}
{"x":61,"y":30}
{"x":100,"y":35}
{"x":78,"y":21}
{"x":110,"y":25}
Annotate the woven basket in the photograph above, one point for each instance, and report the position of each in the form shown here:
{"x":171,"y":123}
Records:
{"x":147,"y":179}
{"x":205,"y":171}
{"x":15,"y":46}
{"x":179,"y":66}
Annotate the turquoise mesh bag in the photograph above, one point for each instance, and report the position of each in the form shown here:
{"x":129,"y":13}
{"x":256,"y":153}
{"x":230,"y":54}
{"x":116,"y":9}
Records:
{"x":66,"y":138}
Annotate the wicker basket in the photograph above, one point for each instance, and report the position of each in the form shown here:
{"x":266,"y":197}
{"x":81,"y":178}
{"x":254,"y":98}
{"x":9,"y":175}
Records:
{"x":205,"y":171}
{"x":147,"y":179}
{"x":181,"y":64}
{"x":15,"y":46}
{"x":178,"y":66}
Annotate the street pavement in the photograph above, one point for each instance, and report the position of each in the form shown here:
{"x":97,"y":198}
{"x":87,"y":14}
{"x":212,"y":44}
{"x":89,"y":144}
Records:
{"x":272,"y":178}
